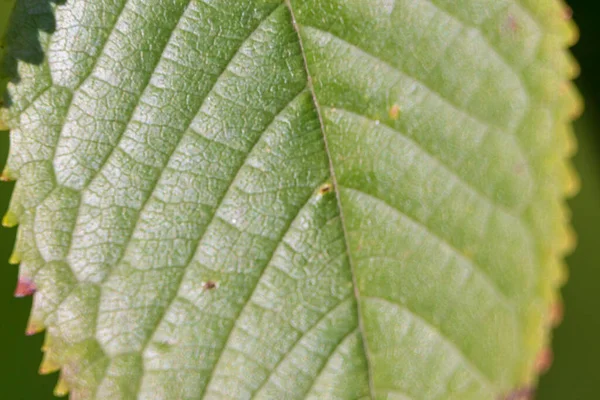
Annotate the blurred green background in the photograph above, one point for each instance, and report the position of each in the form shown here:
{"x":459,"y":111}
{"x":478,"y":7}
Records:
{"x":576,"y":369}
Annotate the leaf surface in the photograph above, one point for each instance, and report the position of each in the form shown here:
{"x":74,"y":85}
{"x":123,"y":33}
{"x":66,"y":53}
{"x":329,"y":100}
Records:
{"x":318,"y":199}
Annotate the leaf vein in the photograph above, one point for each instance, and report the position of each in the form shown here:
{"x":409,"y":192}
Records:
{"x":484,"y":197}
{"x":297,"y":342}
{"x":336,"y":188}
{"x":493,"y":285}
{"x":468,"y":362}
{"x":456,"y":107}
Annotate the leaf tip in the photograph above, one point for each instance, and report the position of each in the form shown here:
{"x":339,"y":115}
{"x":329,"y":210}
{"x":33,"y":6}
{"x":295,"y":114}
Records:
{"x":575,"y":103}
{"x":48,"y":365}
{"x":14,"y":259}
{"x":5,"y":176}
{"x":526,"y":393}
{"x":10,"y":220}
{"x":62,"y":388}
{"x":573,"y":183}
{"x":567,"y":13}
{"x":25,"y":287}
{"x":557,"y":312}
{"x":562,"y":275}
{"x":33,"y":329}
{"x":569,"y":240}
{"x":544,"y":360}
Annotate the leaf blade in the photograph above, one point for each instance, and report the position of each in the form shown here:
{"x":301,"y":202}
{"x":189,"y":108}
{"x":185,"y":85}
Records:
{"x":304,"y":169}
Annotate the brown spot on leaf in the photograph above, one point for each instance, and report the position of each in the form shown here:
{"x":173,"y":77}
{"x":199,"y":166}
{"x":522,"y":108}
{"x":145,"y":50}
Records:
{"x":567,"y":13}
{"x":325,"y":188}
{"x":209,"y":285}
{"x":25,"y":287}
{"x":520,"y":168}
{"x":394,"y":112}
{"x":511,"y":23}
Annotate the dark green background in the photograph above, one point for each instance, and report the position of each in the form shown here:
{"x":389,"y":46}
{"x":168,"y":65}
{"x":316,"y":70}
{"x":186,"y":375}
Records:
{"x":576,"y":370}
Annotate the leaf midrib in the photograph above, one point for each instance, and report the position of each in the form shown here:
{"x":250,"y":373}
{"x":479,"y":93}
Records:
{"x":336,"y":190}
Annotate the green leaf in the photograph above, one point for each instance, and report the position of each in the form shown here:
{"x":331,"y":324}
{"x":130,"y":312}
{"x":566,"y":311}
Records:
{"x":322,"y":199}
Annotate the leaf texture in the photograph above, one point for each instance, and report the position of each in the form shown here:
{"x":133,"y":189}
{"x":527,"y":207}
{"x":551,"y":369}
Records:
{"x":319,"y":199}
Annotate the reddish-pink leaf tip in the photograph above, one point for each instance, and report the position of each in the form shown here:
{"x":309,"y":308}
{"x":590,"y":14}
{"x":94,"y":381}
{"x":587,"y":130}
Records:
{"x":521,"y":394}
{"x":33,"y":330}
{"x":556,"y":313}
{"x":25,"y":287}
{"x":544,"y":360}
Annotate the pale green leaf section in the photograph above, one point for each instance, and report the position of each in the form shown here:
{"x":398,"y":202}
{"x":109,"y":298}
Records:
{"x":307,"y":199}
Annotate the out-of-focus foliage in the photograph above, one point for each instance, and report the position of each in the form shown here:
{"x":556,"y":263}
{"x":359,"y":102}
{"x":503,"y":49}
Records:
{"x":6,"y":7}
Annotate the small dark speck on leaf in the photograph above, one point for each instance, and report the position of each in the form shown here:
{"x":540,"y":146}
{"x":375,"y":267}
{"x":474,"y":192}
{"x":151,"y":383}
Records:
{"x":394,"y":112}
{"x":210,"y":285}
{"x":520,"y":168}
{"x":325,"y":188}
{"x":512,"y":23}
